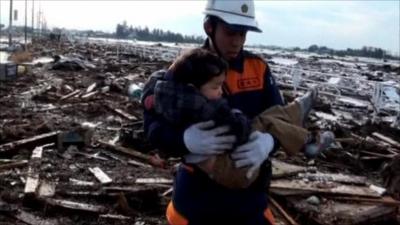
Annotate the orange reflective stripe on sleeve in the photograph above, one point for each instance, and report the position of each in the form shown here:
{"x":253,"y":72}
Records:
{"x":268,"y":215}
{"x":251,"y":79}
{"x":175,"y":218}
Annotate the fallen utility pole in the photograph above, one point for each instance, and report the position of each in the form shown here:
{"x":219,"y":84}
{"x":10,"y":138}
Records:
{"x":26,"y":23}
{"x":10,"y":25}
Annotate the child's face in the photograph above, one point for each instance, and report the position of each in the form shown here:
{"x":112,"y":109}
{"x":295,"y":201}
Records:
{"x":212,"y":90}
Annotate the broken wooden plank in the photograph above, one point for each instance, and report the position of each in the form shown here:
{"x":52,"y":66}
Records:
{"x":91,"y":87}
{"x":386,"y":139}
{"x":88,"y":95}
{"x":295,"y":187}
{"x":81,"y":182}
{"x":153,"y":160}
{"x":32,"y":183}
{"x":31,"y":219}
{"x":168,"y":192}
{"x":123,"y":189}
{"x":127,"y":151}
{"x":46,"y":189}
{"x":283,"y":212}
{"x":114,"y":217}
{"x":136,"y":163}
{"x":37,"y":153}
{"x":384,"y":200}
{"x":332,"y":212}
{"x":32,"y":179}
{"x":340,"y":178}
{"x":76,"y":205}
{"x":70,"y":95}
{"x":13,"y":165}
{"x":381,"y":146}
{"x":377,"y":189}
{"x":39,"y":138}
{"x":113,"y":156}
{"x":100,"y":175}
{"x":378,"y":154}
{"x":68,"y":88}
{"x":125,"y":114}
{"x":281,"y":169}
{"x":122,"y":113}
{"x":157,"y":180}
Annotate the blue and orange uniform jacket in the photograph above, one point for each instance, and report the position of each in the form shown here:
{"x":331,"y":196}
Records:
{"x":249,"y":87}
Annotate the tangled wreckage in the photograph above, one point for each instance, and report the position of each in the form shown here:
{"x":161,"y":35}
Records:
{"x":73,"y":151}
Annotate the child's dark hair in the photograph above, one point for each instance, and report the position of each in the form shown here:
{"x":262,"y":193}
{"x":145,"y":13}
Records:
{"x":197,"y":67}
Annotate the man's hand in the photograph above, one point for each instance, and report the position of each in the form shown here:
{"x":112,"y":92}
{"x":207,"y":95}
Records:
{"x":200,"y":139}
{"x":253,"y":153}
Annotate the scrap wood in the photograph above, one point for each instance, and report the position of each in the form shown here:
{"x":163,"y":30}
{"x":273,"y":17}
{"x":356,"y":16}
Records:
{"x":81,"y":182}
{"x":130,"y":189}
{"x":12,"y":165}
{"x":152,"y":160}
{"x":386,"y":139}
{"x":387,"y":200}
{"x":296,"y":187}
{"x":114,"y":217}
{"x":282,"y":169}
{"x":84,"y":193}
{"x":167,"y":192}
{"x":345,"y":140}
{"x":113,"y":156}
{"x":333,"y":212}
{"x":282,"y":211}
{"x":127,"y":151}
{"x":100,"y":175}
{"x":32,"y":179}
{"x":376,"y":143}
{"x":340,"y":178}
{"x":90,"y":94}
{"x":31,"y":219}
{"x":123,"y":205}
{"x":378,"y":154}
{"x":12,"y":145}
{"x":122,"y":113}
{"x":75,"y":205}
{"x":46,"y":189}
{"x":136,"y":163}
{"x":91,"y":87}
{"x":70,"y":95}
{"x":157,"y":180}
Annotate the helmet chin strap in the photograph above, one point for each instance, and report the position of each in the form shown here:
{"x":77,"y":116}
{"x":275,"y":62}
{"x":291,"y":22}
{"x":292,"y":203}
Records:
{"x":211,"y":36}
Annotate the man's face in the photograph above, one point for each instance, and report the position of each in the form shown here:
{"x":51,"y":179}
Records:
{"x":229,"y":42}
{"x":212,"y":90}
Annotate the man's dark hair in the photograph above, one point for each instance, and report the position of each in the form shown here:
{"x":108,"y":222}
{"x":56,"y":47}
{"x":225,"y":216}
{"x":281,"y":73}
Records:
{"x":197,"y":67}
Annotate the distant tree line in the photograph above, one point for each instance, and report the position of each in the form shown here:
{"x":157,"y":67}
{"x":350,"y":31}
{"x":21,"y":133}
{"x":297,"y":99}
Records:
{"x":363,"y":52}
{"x":128,"y":32}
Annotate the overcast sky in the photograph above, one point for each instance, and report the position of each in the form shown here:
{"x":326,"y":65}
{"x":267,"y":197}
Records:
{"x":336,"y":24}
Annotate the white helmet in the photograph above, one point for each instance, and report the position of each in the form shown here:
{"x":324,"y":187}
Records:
{"x":237,"y":13}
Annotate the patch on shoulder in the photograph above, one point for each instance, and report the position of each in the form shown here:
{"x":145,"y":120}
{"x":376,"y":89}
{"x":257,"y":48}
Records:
{"x":248,"y":83}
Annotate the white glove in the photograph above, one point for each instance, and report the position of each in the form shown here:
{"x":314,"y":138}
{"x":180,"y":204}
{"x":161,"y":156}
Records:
{"x":201,"y":139}
{"x":253,"y":153}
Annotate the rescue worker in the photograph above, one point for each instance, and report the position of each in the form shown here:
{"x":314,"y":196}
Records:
{"x":249,"y":87}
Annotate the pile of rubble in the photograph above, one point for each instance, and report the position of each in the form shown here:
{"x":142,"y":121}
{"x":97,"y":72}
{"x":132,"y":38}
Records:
{"x":72,"y":148}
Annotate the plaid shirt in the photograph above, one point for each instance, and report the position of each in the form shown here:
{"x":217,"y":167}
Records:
{"x":183,"y":105}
